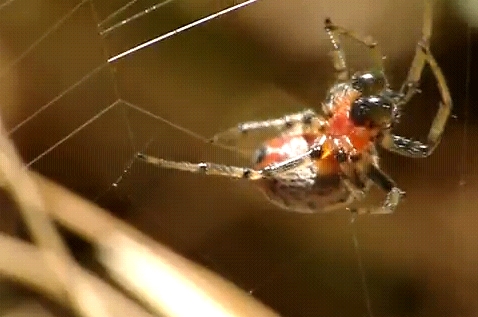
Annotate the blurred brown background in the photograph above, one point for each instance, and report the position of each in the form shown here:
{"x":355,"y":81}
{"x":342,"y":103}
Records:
{"x":263,"y":61}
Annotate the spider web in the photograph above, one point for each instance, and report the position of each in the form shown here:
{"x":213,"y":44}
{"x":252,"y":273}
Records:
{"x":87,"y":84}
{"x":108,"y":34}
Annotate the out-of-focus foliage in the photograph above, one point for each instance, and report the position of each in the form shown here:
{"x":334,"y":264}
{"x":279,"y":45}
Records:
{"x":469,"y":10}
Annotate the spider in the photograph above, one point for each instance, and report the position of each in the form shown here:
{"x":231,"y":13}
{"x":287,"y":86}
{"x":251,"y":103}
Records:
{"x":319,"y":163}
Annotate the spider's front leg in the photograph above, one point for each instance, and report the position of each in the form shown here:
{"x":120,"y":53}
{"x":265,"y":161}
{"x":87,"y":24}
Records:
{"x":230,"y":137}
{"x":423,"y":56}
{"x":411,"y":84}
{"x":338,"y":55}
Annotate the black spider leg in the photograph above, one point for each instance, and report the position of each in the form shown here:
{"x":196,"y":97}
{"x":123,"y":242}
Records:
{"x":382,"y":180}
{"x":314,"y":152}
{"x":355,"y":187}
{"x":379,"y":178}
{"x":387,"y":184}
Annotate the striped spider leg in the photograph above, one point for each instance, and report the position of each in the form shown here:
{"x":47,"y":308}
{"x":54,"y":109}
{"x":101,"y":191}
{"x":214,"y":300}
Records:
{"x":423,"y":56}
{"x":306,"y":119}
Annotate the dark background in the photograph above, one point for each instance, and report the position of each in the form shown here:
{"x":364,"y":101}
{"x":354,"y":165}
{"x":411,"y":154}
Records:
{"x":267,"y":60}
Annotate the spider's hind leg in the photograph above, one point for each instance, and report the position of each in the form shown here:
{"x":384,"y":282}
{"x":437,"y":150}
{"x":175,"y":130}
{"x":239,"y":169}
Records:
{"x":203,"y":168}
{"x":269,"y":171}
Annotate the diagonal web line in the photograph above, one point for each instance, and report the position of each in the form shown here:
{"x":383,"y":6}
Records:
{"x":102,"y":66}
{"x":116,"y":13}
{"x":52,"y":29}
{"x":179,"y":30}
{"x":72,"y":133}
{"x":58,"y":97}
{"x":178,"y":127}
{"x":132,"y":18}
{"x":112,"y":59}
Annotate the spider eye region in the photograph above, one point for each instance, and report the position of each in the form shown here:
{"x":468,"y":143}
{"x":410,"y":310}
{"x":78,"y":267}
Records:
{"x":369,"y":83}
{"x":372,"y":111}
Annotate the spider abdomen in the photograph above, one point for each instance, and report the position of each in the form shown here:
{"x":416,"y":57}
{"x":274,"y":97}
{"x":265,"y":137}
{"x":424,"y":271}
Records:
{"x":305,"y":191}
{"x":309,"y":188}
{"x":288,"y":146}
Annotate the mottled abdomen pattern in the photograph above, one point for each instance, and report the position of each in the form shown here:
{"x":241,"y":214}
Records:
{"x":317,"y":186}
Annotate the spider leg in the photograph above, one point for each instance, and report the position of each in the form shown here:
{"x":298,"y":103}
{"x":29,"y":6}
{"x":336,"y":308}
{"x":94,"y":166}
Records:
{"x":405,"y":146}
{"x":341,"y":205}
{"x":269,"y":171}
{"x":410,"y":86}
{"x":338,"y":54}
{"x":357,"y":187}
{"x":308,"y":118}
{"x":315,"y":152}
{"x":203,"y":168}
{"x":357,"y":193}
{"x":385,"y":182}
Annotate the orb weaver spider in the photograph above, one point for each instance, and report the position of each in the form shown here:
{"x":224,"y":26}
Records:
{"x":319,"y":163}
